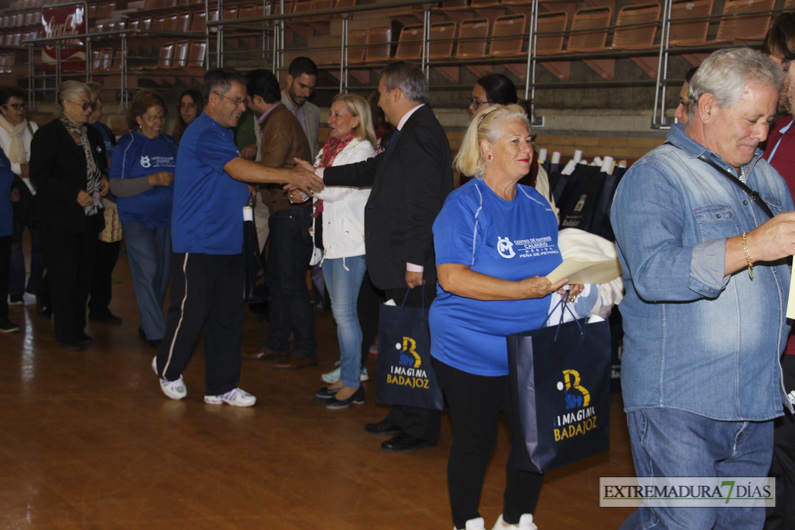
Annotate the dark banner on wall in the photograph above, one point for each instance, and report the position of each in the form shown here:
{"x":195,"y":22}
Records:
{"x":64,"y":21}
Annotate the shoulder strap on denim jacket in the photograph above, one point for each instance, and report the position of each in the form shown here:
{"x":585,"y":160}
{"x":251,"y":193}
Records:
{"x":743,"y":186}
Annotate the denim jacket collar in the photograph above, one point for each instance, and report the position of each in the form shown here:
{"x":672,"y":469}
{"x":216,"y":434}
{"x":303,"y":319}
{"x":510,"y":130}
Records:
{"x":679,"y":138}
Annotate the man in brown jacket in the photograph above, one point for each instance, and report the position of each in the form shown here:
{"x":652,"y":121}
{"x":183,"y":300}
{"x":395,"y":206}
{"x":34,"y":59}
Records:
{"x":290,"y":245}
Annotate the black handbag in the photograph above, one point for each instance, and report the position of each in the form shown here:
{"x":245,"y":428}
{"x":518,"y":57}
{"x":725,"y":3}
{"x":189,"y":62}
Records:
{"x":255,"y":272}
{"x":559,"y":380}
{"x":405,"y":375}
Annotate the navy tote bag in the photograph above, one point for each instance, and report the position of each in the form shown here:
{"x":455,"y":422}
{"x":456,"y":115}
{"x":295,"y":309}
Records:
{"x":560,"y":393}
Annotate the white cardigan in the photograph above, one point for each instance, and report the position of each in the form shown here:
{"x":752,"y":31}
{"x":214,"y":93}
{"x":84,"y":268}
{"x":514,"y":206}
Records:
{"x":27,"y":136}
{"x":343,"y":207}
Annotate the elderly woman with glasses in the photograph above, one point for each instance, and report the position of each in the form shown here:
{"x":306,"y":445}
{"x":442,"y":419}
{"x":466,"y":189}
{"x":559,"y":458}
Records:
{"x":142,"y":177}
{"x":67,"y":166}
{"x":495,"y":241}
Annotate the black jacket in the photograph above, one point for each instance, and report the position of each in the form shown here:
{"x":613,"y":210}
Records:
{"x":58,"y":171}
{"x":410,"y":181}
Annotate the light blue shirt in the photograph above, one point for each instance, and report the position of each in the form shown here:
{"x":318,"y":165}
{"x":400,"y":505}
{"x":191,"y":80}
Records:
{"x":697,"y":340}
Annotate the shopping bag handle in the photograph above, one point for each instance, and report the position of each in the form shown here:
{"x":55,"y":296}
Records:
{"x":564,"y":300}
{"x":423,"y":297}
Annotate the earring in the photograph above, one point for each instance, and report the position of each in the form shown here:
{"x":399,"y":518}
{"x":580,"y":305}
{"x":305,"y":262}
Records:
{"x":490,"y":158}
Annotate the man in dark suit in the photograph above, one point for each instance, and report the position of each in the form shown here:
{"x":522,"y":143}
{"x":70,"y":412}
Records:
{"x":410,"y":182}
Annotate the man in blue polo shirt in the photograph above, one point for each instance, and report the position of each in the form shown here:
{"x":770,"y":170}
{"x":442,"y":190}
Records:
{"x":207,"y":280}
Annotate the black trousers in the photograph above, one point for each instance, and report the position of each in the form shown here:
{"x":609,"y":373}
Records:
{"x":367,"y":309}
{"x":206,"y":294}
{"x":107,"y":255}
{"x":783,"y":466}
{"x":420,"y":423}
{"x":69,"y":257}
{"x":475,"y":402}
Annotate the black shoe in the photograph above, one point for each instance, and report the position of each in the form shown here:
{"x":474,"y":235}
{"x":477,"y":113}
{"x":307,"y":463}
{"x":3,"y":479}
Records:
{"x":70,"y":345}
{"x":326,"y":393}
{"x":383,"y":428}
{"x":84,"y":340}
{"x":6,"y":326}
{"x":405,"y":442}
{"x":357,"y":398}
{"x":16,"y":300}
{"x":108,"y":317}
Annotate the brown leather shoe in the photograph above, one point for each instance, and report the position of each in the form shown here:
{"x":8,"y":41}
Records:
{"x":265,"y":354}
{"x":293,"y":362}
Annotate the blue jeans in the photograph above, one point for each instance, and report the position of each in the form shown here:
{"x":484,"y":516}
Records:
{"x":670,"y":442}
{"x":343,"y":278}
{"x":289,"y":252}
{"x":149,"y":255}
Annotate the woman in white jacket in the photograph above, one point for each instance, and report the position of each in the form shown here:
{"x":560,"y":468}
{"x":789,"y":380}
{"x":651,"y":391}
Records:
{"x":339,"y":236}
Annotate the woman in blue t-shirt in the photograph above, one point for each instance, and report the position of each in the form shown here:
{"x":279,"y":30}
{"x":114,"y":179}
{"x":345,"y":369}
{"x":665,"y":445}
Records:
{"x":495,"y":243}
{"x":142,"y":177}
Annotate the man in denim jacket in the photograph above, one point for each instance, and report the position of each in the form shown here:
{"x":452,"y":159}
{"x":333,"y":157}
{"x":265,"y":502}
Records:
{"x":707,"y":282}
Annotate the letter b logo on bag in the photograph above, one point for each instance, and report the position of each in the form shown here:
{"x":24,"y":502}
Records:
{"x":409,"y":356}
{"x":572,"y":380}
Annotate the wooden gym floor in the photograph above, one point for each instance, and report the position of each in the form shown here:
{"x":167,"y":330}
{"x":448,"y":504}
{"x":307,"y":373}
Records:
{"x":90,"y":441}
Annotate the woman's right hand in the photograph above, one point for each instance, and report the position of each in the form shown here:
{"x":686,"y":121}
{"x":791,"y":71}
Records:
{"x":539,"y":286}
{"x":164,"y":178}
{"x":84,"y":199}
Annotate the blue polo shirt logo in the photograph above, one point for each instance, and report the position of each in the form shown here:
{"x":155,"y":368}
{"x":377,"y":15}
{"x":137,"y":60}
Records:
{"x":145,"y":162}
{"x":505,"y":247}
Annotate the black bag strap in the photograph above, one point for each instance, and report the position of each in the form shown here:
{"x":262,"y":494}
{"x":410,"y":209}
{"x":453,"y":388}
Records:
{"x":743,"y":186}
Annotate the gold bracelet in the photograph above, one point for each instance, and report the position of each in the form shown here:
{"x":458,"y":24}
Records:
{"x":747,"y":256}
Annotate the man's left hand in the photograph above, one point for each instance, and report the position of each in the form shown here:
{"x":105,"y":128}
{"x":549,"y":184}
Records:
{"x":413,"y":279}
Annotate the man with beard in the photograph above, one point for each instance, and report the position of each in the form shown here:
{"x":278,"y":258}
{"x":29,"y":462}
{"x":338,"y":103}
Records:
{"x":779,"y":45}
{"x":207,"y":277}
{"x":301,"y":81}
{"x":706,"y":275}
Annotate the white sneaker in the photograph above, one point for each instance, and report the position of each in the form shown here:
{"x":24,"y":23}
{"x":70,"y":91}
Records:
{"x":474,"y":524}
{"x":525,"y":523}
{"x":173,"y":389}
{"x":334,"y":375}
{"x":235,"y":397}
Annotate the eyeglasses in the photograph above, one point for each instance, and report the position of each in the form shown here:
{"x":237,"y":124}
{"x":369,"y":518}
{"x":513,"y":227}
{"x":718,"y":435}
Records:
{"x":476,"y":103}
{"x":84,"y":105}
{"x":236,"y":101}
{"x":151,"y":119}
{"x":15,"y":106}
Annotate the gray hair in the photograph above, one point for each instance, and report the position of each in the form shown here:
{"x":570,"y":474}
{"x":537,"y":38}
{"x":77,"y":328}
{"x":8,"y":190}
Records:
{"x":409,"y":79}
{"x":726,"y":73}
{"x":485,"y":125}
{"x":69,"y":89}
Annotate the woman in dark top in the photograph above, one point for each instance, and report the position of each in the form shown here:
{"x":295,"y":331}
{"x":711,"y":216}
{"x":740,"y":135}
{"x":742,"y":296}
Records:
{"x":190,"y":106}
{"x":67,"y":167}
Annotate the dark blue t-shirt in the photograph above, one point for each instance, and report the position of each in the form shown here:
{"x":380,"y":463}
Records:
{"x":510,"y":240}
{"x":139,"y":156}
{"x":207,"y":217}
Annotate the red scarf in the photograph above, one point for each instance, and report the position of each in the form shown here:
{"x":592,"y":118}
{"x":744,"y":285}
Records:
{"x":332,"y":148}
